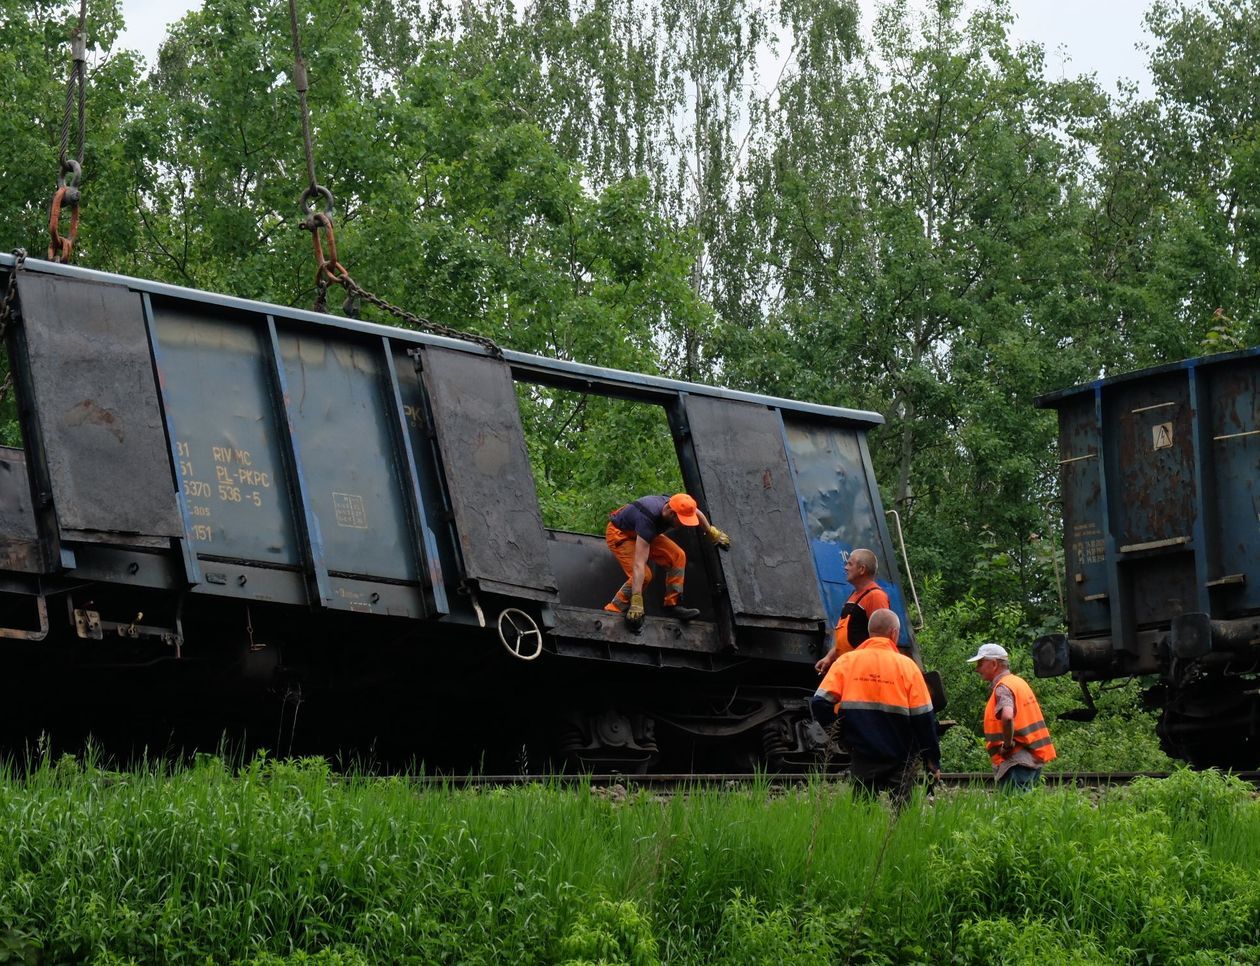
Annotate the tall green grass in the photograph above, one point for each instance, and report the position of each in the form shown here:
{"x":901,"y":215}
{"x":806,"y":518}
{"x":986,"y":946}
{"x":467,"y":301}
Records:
{"x":284,"y":862}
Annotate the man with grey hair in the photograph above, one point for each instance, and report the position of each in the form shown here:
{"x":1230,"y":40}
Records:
{"x":882,"y":702}
{"x":860,"y":568}
{"x":1015,"y":731}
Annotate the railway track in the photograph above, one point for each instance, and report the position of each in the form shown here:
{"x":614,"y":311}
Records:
{"x":670,"y":783}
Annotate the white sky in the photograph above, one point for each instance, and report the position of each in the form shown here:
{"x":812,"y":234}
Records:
{"x":1080,"y":36}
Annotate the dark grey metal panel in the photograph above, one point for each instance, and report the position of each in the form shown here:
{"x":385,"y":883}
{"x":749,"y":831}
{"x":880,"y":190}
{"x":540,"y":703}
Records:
{"x":337,"y":406}
{"x":583,"y":624}
{"x":19,"y":539}
{"x":750,"y":493}
{"x":488,"y":476}
{"x":215,"y":375}
{"x":95,"y":403}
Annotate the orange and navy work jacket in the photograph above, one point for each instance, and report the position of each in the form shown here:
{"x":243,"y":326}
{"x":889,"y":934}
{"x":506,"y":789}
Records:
{"x":1031,"y":732}
{"x":868,"y":600}
{"x":884,"y":705}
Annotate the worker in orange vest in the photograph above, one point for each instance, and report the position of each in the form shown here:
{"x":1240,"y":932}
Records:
{"x":1015,"y":731}
{"x":866,"y":599}
{"x":882,"y":704}
{"x":636,"y":535}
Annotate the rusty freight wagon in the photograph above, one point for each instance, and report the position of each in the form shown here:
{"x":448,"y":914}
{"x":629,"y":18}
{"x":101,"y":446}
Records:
{"x":318,"y":534}
{"x":1161,"y":527}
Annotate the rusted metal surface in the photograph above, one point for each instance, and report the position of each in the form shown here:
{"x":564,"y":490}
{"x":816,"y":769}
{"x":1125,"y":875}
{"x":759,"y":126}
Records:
{"x":1233,"y":451}
{"x":1084,"y":518}
{"x":488,"y":476}
{"x":1160,"y":505}
{"x":1149,"y":460}
{"x":95,"y":403}
{"x":750,"y":494}
{"x":38,"y":607}
{"x":1152,"y":493}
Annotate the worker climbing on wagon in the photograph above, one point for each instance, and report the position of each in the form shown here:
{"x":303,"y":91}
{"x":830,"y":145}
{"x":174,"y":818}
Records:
{"x":636,"y":536}
{"x":866,"y":599}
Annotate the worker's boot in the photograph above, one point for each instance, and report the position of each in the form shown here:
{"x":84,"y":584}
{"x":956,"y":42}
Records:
{"x":680,"y":613}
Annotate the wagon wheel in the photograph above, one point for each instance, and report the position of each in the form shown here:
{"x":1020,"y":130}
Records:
{"x":520,"y":634}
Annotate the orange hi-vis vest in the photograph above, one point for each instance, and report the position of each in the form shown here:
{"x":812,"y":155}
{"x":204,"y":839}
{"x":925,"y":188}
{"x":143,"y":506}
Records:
{"x":1030,"y":725}
{"x":884,"y":703}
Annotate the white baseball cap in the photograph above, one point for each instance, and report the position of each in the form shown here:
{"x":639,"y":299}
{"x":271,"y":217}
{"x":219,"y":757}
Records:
{"x":994,"y":652}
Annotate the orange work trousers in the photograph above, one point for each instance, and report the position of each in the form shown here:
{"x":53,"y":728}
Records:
{"x":663,"y":551}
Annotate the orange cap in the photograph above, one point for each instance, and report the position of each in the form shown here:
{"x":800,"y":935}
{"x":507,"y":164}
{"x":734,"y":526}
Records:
{"x":684,"y":508}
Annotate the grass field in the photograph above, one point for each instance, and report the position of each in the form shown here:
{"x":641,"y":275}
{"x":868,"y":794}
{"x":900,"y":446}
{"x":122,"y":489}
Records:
{"x":284,"y":862}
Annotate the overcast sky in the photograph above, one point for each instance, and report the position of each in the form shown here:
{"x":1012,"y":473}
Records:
{"x":1080,"y":36}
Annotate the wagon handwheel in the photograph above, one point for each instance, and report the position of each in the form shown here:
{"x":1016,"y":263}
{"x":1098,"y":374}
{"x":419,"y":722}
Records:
{"x":515,"y":628}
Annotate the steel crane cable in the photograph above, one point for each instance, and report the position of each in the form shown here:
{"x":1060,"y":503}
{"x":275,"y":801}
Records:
{"x":70,"y":169}
{"x":328,"y":267}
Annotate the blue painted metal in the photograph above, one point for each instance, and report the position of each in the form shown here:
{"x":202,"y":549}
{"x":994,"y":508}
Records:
{"x":225,"y":430}
{"x":1201,"y":470}
{"x":1163,"y":476}
{"x":842,"y":511}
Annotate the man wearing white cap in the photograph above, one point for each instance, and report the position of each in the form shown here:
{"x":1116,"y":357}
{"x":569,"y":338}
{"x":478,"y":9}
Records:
{"x":1015,"y":731}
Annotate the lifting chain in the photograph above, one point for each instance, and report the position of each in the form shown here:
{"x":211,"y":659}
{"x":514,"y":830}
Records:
{"x":328,"y":268}
{"x":6,"y":313}
{"x":70,"y":170}
{"x":10,"y":291}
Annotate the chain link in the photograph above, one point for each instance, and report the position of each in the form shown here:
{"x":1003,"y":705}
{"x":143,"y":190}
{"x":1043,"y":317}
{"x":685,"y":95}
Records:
{"x":10,"y":292}
{"x":418,"y":321}
{"x":70,"y":169}
{"x":328,"y":267}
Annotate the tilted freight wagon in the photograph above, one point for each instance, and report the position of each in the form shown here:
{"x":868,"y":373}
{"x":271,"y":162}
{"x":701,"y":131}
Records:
{"x":1161,"y":525}
{"x":321,"y":533}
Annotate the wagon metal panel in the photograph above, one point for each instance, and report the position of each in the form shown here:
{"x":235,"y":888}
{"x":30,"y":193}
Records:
{"x":1166,"y":520}
{"x":750,"y":492}
{"x":1234,"y":452}
{"x":218,"y":386}
{"x":1084,"y":534}
{"x":95,"y":404}
{"x":841,"y":511}
{"x":19,"y":538}
{"x":488,"y":476}
{"x":337,"y":407}
{"x":1149,"y":457}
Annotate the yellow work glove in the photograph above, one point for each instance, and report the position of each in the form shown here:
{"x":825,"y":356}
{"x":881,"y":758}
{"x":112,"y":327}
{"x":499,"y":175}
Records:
{"x":719,"y":539}
{"x":634,"y":616}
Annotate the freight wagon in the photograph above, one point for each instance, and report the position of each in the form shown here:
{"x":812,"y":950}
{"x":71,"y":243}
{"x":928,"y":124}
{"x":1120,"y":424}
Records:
{"x":317,"y":534}
{"x":1161,"y":530}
